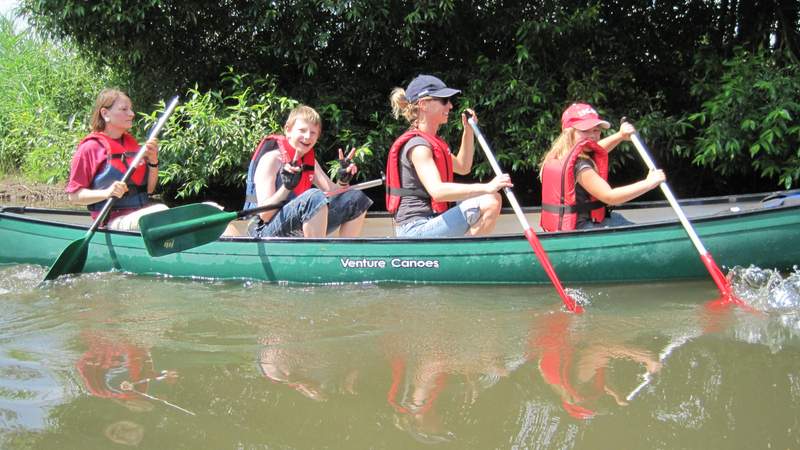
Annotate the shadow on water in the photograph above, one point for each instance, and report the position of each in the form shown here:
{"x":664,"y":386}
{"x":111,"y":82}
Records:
{"x":101,"y":359}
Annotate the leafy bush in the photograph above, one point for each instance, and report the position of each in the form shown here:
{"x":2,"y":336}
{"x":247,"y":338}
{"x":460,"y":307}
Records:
{"x":210,"y":137}
{"x":46,"y":94}
{"x":750,"y":122}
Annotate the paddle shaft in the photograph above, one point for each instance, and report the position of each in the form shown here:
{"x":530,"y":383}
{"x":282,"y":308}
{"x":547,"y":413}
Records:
{"x":139,"y":155}
{"x":662,"y":357}
{"x":570,"y":303}
{"x":716,"y":274}
{"x":73,"y":258}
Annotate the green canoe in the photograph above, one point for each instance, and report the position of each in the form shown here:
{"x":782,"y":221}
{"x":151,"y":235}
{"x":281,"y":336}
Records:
{"x":737,"y":230}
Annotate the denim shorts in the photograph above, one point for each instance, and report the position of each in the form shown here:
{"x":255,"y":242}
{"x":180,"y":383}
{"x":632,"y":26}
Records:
{"x":452,"y":223}
{"x":289,"y":220}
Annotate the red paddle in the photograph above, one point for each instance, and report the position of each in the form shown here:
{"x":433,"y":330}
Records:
{"x":724,"y":286}
{"x":570,"y":303}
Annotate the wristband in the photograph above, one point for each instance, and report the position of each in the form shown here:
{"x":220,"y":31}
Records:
{"x":152,"y":165}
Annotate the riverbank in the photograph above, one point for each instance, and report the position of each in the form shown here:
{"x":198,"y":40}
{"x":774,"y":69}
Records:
{"x":15,"y":190}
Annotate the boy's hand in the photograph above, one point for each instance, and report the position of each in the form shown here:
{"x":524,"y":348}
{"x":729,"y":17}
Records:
{"x":291,"y":174}
{"x":346,"y":167}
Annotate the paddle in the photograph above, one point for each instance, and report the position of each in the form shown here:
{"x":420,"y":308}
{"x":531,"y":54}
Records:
{"x":724,"y":286}
{"x":178,"y":229}
{"x":570,"y":303}
{"x":73,"y":258}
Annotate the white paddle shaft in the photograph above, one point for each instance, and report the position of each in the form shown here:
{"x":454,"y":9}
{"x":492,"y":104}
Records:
{"x":642,"y":149}
{"x":512,"y":199}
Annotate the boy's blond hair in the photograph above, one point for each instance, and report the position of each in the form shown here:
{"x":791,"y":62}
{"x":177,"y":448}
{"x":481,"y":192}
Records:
{"x":306,"y":113}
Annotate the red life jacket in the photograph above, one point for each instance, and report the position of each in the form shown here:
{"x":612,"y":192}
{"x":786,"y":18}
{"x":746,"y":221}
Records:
{"x":559,"y":206}
{"x":441,"y":157}
{"x":287,"y":156}
{"x":117,"y":158}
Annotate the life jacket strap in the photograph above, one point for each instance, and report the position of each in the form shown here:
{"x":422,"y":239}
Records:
{"x":567,"y":209}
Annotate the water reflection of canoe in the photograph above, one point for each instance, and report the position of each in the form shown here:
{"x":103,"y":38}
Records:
{"x":737,"y":230}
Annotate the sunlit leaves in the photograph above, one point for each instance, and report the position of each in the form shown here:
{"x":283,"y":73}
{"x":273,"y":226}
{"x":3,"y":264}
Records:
{"x":749,"y":124}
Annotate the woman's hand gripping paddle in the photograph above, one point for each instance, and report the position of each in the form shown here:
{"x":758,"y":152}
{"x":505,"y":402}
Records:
{"x":73,"y":258}
{"x":178,"y":229}
{"x":569,"y":302}
{"x":727,"y":295}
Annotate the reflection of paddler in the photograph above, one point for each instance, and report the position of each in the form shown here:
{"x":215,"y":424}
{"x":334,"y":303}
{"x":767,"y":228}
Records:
{"x":120,"y":371}
{"x":413,"y":395}
{"x":421,"y":398}
{"x":275,"y":368}
{"x":307,"y":369}
{"x":114,"y":370}
{"x":555,"y":361}
{"x":579,"y":376}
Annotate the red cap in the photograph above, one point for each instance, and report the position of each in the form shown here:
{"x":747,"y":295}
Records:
{"x":581,"y":117}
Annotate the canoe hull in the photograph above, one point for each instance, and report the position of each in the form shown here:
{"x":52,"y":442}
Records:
{"x":662,"y":251}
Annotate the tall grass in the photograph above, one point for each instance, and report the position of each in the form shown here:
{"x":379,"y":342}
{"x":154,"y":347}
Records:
{"x":46,"y":94}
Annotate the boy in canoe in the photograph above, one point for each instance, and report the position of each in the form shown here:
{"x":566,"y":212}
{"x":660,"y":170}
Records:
{"x":419,"y":173}
{"x":284,"y":169}
{"x":574,"y":174}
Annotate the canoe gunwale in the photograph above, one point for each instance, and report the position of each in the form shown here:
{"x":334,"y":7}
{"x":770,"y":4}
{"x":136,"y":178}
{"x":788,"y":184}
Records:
{"x":20,"y":213}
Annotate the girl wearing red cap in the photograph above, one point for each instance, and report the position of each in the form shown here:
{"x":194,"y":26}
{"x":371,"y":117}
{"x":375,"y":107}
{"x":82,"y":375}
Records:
{"x":574,"y":174}
{"x":419,"y":173}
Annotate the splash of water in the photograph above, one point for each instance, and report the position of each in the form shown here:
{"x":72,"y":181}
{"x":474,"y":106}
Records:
{"x":767,"y":289}
{"x":580,"y":296}
{"x":19,"y":278}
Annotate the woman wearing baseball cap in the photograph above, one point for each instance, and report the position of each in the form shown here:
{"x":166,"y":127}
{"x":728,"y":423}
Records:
{"x":574,"y":174}
{"x":419,"y":172}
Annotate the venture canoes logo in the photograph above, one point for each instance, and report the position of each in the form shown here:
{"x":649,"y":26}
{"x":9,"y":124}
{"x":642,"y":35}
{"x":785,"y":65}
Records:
{"x":394,"y":263}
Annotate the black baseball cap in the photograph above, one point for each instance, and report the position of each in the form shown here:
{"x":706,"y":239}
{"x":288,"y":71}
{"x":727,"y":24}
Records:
{"x":428,"y":86}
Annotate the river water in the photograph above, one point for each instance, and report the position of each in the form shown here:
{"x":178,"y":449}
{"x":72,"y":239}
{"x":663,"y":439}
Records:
{"x":117,"y":361}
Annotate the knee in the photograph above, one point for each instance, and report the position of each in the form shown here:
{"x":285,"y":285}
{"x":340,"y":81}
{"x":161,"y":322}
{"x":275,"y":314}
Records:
{"x":492,"y":203}
{"x":316,"y":199}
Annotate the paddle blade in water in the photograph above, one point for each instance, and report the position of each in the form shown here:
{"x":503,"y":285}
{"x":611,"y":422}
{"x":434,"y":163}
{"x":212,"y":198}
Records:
{"x":71,"y":260}
{"x":569,"y":302}
{"x":182,"y":228}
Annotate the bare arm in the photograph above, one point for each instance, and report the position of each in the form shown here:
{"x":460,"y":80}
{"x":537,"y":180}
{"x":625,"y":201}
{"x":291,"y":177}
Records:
{"x":151,"y":157}
{"x":86,"y":196}
{"x":599,"y":188}
{"x":462,"y":163}
{"x":265,"y":177}
{"x":441,"y":191}
{"x":624,"y":134}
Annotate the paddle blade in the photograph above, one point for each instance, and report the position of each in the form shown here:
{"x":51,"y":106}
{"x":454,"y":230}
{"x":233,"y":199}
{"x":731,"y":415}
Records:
{"x":71,"y":260}
{"x":178,"y":229}
{"x":569,"y":302}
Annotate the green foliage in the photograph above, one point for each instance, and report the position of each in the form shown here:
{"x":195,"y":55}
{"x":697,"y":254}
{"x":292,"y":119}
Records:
{"x":751,"y":120}
{"x":210,"y":137}
{"x":518,"y":63}
{"x":46,"y":93}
